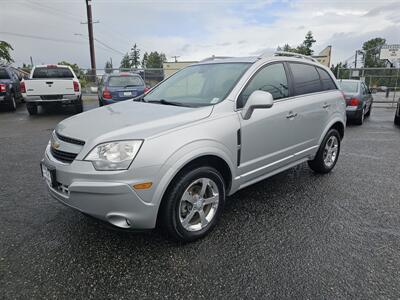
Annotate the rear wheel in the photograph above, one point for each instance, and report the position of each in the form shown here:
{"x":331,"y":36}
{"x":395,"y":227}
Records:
{"x":360,"y":119}
{"x":328,"y":153}
{"x":32,"y":108}
{"x":369,"y":111}
{"x":192,"y":206}
{"x":78,"y":106}
{"x":397,"y":120}
{"x":12,"y":105}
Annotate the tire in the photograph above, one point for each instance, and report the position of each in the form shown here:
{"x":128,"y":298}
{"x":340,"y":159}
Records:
{"x":12,"y":104}
{"x":183,"y":220}
{"x":360,"y":119}
{"x":397,"y":120}
{"x":32,"y":108}
{"x":78,"y":106}
{"x":320,"y":163}
{"x":369,"y":111}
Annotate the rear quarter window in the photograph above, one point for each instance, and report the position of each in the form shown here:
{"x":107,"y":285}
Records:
{"x":326,"y":79}
{"x":306,"y":79}
{"x":53,"y":72}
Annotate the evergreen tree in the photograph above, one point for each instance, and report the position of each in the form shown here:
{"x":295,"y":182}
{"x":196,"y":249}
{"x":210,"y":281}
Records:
{"x":135,"y":57}
{"x":125,"y":62}
{"x":108,"y":67}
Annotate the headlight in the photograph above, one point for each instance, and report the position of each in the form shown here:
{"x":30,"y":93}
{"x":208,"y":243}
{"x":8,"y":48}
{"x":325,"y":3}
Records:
{"x":114,"y":155}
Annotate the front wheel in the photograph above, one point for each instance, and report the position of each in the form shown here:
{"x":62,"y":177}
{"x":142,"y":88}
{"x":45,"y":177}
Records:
{"x":193,"y":204}
{"x":328,"y":153}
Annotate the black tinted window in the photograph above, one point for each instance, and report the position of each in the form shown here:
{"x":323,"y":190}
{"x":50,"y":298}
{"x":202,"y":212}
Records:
{"x":272,"y":79}
{"x":52,"y":72}
{"x":306,"y":79}
{"x":327,"y":82}
{"x":4,"y":74}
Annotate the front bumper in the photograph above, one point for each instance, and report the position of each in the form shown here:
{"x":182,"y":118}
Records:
{"x":81,"y":187}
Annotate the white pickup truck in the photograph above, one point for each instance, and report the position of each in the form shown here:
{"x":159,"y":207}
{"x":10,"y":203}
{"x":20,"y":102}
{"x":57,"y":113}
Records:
{"x":51,"y":85}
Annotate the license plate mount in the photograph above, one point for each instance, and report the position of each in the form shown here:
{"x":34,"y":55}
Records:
{"x":49,"y":174}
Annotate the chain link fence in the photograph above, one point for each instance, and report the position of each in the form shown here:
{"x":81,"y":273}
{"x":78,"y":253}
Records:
{"x":384,"y":83}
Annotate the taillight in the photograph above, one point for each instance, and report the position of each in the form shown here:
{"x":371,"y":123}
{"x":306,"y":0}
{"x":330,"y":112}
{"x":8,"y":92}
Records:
{"x":22,"y":87}
{"x":76,"y":86}
{"x":146,"y":89}
{"x":107,"y":94}
{"x":2,"y":88}
{"x":353,"y":102}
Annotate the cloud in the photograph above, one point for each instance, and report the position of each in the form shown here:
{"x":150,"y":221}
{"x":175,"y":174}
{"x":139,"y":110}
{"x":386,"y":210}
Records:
{"x":194,"y":29}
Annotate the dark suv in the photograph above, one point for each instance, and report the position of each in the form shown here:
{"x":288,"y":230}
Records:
{"x":9,"y":88}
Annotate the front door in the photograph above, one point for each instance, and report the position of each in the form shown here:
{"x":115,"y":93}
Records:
{"x":268,"y":138}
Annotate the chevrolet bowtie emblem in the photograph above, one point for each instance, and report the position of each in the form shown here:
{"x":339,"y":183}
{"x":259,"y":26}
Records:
{"x":55,"y":145}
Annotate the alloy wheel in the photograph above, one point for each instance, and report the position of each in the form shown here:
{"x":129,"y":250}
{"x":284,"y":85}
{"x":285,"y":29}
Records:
{"x":198,"y":204}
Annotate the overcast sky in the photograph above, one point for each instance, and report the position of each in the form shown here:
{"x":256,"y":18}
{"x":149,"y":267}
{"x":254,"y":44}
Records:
{"x":46,"y":29}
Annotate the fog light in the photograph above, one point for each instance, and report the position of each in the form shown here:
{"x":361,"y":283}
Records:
{"x":143,"y":186}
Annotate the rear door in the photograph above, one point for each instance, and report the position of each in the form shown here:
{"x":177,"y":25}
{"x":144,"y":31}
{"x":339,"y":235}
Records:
{"x":315,"y":100}
{"x":366,"y":96}
{"x":50,"y":81}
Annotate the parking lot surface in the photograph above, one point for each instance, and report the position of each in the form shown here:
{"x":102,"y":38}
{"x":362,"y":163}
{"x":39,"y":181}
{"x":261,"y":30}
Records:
{"x":295,"y":235}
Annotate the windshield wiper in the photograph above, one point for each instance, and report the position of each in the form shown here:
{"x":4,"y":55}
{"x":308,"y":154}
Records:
{"x":165,"y":102}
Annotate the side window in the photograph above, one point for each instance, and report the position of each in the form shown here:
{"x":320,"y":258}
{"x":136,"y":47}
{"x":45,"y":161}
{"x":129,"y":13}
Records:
{"x":327,"y":82}
{"x":364,"y":89}
{"x":271,"y":78}
{"x":306,"y":79}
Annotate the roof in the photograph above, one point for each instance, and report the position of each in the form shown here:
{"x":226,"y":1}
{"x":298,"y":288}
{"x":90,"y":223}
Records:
{"x":216,"y":60}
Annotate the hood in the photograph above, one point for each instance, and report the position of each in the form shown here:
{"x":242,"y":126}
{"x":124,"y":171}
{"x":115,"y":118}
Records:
{"x":129,"y":120}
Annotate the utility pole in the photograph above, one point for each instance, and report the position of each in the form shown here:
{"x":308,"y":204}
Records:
{"x":91,"y":39}
{"x":175,"y":57}
{"x":355,"y":60}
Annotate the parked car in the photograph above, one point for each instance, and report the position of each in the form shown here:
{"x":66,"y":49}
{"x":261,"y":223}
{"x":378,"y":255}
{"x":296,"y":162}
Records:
{"x":172,"y":156}
{"x":397,"y":114}
{"x":51,"y":85}
{"x":358,"y":100}
{"x":10,"y":92}
{"x":119,"y":87}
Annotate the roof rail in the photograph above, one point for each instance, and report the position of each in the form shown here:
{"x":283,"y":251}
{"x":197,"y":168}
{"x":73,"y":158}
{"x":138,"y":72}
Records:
{"x":297,"y":55}
{"x":214,"y":58}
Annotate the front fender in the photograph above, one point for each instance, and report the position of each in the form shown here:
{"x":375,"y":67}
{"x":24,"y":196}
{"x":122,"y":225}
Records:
{"x":186,"y":154}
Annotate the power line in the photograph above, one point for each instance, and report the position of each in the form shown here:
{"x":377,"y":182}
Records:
{"x":40,"y":37}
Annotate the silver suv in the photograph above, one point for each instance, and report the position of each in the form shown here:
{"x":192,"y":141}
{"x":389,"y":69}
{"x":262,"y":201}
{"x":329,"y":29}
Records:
{"x":171,"y":157}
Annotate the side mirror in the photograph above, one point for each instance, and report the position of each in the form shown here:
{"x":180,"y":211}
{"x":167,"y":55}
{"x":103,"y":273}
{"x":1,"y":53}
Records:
{"x":257,"y":99}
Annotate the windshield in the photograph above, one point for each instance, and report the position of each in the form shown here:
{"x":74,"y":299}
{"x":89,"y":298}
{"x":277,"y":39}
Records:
{"x":349,"y":86}
{"x":125,"y":81}
{"x":52,"y":72}
{"x":199,"y":85}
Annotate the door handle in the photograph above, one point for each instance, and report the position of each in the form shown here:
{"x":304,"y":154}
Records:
{"x":326,"y":105}
{"x":291,"y":115}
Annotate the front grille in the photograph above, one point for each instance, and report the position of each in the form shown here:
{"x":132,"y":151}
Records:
{"x":63,"y":156}
{"x":69,"y":140}
{"x":51,"y":97}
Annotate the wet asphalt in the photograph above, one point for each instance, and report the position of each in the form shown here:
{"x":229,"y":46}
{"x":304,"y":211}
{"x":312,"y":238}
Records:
{"x":295,"y":235}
